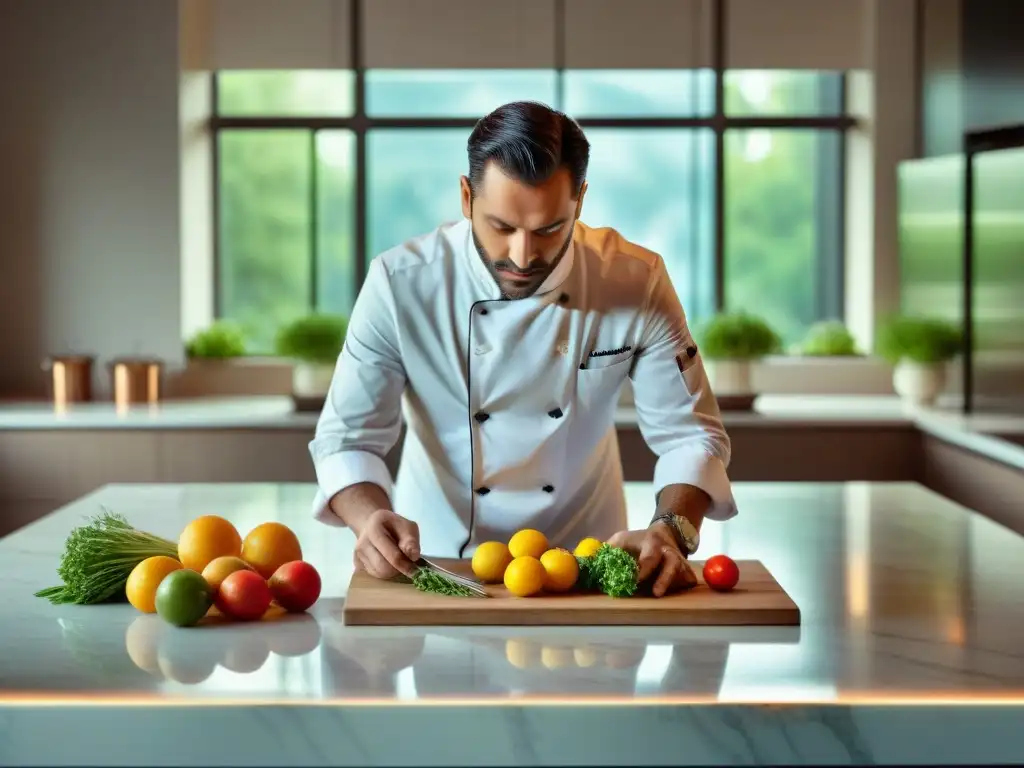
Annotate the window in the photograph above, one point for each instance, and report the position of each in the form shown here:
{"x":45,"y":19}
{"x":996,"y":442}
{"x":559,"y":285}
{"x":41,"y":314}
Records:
{"x":453,"y":93}
{"x":669,"y":207}
{"x":298,"y":218}
{"x":781,"y":225}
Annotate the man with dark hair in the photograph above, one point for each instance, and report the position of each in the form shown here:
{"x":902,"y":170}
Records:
{"x":507,"y":338}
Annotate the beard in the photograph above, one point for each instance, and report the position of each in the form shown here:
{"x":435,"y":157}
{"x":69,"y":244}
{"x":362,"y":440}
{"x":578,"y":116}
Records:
{"x":524,"y":290}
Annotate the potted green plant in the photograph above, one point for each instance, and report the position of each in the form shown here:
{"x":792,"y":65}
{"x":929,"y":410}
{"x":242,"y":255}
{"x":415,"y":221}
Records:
{"x":221,"y":340}
{"x":313,"y":344}
{"x":919,"y":349}
{"x":730,"y":342}
{"x":830,"y":338}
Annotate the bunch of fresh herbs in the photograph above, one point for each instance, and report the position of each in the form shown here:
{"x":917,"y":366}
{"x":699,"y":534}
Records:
{"x":613,"y":570}
{"x":99,"y":557}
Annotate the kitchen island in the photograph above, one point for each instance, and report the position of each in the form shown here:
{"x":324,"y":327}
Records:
{"x":910,"y":649}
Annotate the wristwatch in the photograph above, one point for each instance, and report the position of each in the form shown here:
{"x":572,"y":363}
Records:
{"x":687,"y":536}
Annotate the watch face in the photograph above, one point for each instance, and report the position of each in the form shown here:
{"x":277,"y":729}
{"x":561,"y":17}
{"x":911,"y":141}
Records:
{"x":690,"y":533}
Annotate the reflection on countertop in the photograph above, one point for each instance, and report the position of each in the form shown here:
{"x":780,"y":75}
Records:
{"x":901,"y":592}
{"x":906,"y":599}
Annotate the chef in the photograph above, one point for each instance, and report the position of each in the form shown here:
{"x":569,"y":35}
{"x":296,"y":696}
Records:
{"x":503,"y":341}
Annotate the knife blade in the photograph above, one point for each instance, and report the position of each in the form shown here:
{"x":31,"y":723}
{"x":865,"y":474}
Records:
{"x":474,"y":586}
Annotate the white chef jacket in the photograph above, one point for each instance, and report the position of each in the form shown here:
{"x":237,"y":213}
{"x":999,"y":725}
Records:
{"x":509,"y":406}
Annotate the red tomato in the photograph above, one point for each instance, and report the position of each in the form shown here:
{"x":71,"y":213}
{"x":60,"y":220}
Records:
{"x":243,"y":595}
{"x":721,"y":573}
{"x":295,"y":586}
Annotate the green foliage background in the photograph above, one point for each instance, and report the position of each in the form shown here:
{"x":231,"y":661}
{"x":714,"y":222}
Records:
{"x":654,"y":186}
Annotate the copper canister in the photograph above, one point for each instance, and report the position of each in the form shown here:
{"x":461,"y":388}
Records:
{"x":70,"y":378}
{"x":136,"y":380}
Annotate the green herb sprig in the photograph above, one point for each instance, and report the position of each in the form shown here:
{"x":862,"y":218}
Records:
{"x":617,"y":571}
{"x":427,"y":580}
{"x":99,"y":557}
{"x":588,"y":579}
{"x":611,"y":570}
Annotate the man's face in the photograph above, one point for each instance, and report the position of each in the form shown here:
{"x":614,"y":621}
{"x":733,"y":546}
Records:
{"x":521,"y":232}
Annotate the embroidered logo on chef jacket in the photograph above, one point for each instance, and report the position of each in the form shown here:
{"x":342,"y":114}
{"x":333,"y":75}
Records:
{"x":563,"y":348}
{"x":609,"y":352}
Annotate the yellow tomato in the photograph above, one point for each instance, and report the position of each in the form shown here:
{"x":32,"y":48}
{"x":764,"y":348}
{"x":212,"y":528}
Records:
{"x":524,"y":576}
{"x":490,"y":561}
{"x":528,"y":543}
{"x":587,"y":547}
{"x":560,"y":570}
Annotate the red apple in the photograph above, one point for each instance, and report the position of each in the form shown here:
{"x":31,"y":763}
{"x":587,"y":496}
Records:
{"x":295,"y":586}
{"x":243,"y":595}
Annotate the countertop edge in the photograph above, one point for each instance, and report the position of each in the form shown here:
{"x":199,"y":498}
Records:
{"x":528,"y":733}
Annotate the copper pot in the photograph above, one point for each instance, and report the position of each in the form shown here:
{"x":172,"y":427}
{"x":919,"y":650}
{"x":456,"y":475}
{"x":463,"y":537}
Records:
{"x":136,"y":380}
{"x":70,"y":378}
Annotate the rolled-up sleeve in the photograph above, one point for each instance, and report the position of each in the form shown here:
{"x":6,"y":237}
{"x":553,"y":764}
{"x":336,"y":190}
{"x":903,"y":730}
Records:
{"x":676,"y":410}
{"x":362,"y":416}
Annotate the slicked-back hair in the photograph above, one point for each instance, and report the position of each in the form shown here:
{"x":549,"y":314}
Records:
{"x":528,"y":141}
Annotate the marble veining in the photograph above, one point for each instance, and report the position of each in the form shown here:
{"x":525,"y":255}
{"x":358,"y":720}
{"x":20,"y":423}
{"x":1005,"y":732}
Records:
{"x":912,"y":617}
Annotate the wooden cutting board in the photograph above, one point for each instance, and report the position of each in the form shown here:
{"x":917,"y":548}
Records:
{"x":756,"y":600}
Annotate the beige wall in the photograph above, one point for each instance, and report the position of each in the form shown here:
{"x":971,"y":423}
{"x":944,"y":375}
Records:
{"x":89,"y":231}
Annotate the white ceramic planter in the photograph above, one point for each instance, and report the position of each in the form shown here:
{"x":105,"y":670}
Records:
{"x":311,"y":379}
{"x":730,"y":378}
{"x":919,"y":384}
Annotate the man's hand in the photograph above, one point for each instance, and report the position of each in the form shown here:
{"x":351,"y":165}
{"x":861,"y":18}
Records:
{"x":656,"y":551}
{"x":387,"y":545}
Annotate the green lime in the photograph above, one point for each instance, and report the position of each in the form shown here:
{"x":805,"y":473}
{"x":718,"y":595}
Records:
{"x":185,"y":599}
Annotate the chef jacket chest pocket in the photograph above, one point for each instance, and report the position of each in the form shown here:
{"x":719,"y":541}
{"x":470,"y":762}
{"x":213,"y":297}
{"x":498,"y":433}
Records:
{"x":600,"y":379}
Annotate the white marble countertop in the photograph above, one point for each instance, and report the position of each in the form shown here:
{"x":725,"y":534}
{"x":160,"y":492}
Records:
{"x":912,"y":618}
{"x":983,"y":433}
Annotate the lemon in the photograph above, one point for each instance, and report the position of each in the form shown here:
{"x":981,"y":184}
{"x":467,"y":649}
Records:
{"x":587,"y":547}
{"x":140,"y":589}
{"x":490,"y":561}
{"x":524,"y":576}
{"x":528,"y":543}
{"x":560,"y":570}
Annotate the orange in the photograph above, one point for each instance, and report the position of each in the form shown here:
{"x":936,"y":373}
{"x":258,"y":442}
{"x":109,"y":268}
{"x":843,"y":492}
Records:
{"x":524,"y":576}
{"x":269,"y":546}
{"x":145,"y":578}
{"x":220,"y":568}
{"x":490,"y":561}
{"x":560,"y":570}
{"x":528,"y":543}
{"x":587,"y":547}
{"x":207,"y":538}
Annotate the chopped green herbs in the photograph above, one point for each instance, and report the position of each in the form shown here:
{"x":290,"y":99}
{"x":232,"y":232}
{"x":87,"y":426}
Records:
{"x":427,"y":580}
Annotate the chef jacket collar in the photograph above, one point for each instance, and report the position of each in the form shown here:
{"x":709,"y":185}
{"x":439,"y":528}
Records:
{"x":486,"y":281}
